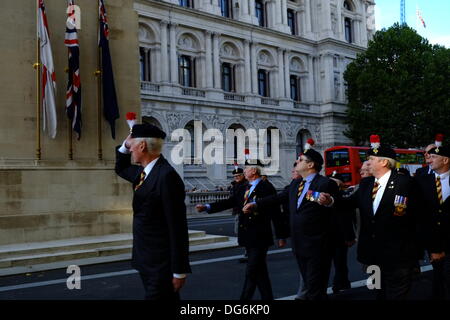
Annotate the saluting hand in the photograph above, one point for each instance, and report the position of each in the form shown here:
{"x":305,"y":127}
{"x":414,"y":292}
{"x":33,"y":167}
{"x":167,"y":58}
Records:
{"x":248,"y":208}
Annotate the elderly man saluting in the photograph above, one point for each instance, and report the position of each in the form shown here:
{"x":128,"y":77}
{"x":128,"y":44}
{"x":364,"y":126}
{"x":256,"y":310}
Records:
{"x":160,"y":234}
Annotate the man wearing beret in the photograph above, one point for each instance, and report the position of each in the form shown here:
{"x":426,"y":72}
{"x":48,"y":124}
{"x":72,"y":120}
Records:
{"x":434,"y":190}
{"x":160,"y":234}
{"x":310,"y":222}
{"x":255,"y":230}
{"x":388,"y":207}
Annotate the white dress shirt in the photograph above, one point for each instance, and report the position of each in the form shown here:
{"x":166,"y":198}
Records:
{"x":445,"y":184}
{"x":383,"y":181}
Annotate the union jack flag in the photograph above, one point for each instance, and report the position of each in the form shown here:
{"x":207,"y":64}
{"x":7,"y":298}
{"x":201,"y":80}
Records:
{"x":110,"y":106}
{"x":73,"y":94}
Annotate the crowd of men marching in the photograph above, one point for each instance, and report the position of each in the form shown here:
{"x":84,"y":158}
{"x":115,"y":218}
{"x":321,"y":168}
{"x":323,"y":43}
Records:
{"x":402,"y":219}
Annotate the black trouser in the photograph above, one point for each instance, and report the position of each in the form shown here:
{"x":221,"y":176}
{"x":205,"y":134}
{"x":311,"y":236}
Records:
{"x":257,"y":275}
{"x":159,"y":287}
{"x":441,"y":278}
{"x":340,"y":267}
{"x":315,"y":272}
{"x":395,"y":282}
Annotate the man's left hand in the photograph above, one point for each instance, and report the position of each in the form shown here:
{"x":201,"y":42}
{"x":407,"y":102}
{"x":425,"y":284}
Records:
{"x":178,"y":283}
{"x":325,"y":199}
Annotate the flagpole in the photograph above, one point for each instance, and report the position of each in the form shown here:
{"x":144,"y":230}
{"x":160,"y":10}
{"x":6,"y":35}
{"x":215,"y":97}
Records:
{"x":37,"y":66}
{"x":99,"y":98}
{"x":70,"y":140}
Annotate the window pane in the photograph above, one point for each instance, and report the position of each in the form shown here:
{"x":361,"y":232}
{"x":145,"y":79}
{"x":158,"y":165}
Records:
{"x":259,"y":8}
{"x":291,"y":20}
{"x":337,"y":158}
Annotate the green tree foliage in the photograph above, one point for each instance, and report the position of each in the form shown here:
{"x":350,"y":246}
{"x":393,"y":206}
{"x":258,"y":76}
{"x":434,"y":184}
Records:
{"x":400,"y":89}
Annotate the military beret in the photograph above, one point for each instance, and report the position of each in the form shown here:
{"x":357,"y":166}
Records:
{"x":146,"y":130}
{"x":441,"y":151}
{"x":380,"y":150}
{"x":314,"y":156}
{"x":383,"y":151}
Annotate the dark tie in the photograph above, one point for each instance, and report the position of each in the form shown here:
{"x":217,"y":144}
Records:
{"x":247,"y":193}
{"x":141,"y":181}
{"x":300,"y":188}
{"x":439,"y":189}
{"x":376,"y":186}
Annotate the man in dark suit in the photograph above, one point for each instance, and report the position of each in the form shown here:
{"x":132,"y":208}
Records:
{"x":427,"y":169}
{"x":388,"y":239}
{"x":344,"y":237}
{"x":160,"y":234}
{"x":238,"y":181}
{"x":434,"y":190}
{"x":255,"y":230}
{"x":310,"y":222}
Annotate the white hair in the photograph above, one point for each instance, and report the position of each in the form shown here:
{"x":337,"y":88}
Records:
{"x":392,"y":164}
{"x":257,"y":168}
{"x":154,"y":145}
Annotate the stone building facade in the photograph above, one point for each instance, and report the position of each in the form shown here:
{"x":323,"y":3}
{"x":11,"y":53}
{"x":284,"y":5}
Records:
{"x":250,"y":64}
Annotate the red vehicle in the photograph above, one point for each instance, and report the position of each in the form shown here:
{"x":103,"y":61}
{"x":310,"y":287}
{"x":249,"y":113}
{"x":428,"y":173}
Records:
{"x":347,"y":160}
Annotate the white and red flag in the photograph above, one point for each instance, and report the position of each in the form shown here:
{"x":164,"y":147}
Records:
{"x":48,"y":80}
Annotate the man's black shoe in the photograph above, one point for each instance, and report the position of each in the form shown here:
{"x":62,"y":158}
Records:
{"x":337,"y":289}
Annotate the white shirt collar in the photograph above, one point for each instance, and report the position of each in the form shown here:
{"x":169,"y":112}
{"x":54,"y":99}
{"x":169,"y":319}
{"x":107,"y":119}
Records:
{"x":443,"y":175}
{"x":148,"y":168}
{"x":384,"y":179}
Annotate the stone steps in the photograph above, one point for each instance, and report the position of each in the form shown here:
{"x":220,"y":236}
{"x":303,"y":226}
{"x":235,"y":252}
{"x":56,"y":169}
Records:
{"x":39,"y":256}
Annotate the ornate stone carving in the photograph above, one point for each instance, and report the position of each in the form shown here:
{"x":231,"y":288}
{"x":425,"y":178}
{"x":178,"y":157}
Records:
{"x":186,"y":42}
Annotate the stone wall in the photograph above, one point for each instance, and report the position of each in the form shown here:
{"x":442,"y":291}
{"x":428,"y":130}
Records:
{"x":56,"y":198}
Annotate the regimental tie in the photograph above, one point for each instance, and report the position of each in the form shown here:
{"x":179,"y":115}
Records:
{"x":300,"y":188}
{"x":247,"y":194}
{"x":141,"y":181}
{"x":439,"y":189}
{"x":376,"y":186}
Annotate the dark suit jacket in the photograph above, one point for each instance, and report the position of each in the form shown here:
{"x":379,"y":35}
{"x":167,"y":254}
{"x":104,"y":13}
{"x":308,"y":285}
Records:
{"x":255,"y":229}
{"x":160,"y":233}
{"x":387,"y":239}
{"x":422,"y":171}
{"x":311,"y":223}
{"x":435,"y":224}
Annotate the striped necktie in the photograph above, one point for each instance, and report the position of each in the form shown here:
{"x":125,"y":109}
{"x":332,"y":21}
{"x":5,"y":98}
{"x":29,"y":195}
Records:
{"x":141,"y":181}
{"x":247,"y":193}
{"x":439,"y":189}
{"x":376,"y":186}
{"x":300,"y":188}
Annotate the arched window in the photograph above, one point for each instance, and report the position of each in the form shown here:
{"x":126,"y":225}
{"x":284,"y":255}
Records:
{"x":228,"y":77}
{"x":348,"y":30}
{"x":295,"y":88}
{"x":145,"y":64}
{"x":263,"y":83}
{"x":187,"y":71}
